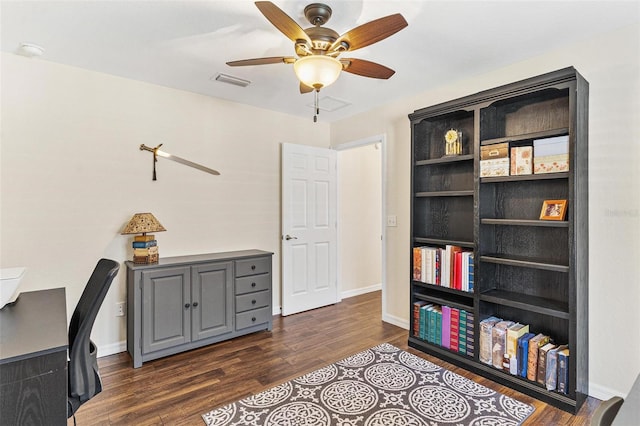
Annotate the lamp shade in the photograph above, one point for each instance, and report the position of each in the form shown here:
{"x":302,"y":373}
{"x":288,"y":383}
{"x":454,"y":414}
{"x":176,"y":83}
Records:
{"x":142,"y":223}
{"x":317,"y":71}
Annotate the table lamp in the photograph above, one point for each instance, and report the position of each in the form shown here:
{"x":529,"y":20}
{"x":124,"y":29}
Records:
{"x":145,"y":246}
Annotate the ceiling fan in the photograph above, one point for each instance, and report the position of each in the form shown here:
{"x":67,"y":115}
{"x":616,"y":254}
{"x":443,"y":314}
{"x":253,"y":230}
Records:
{"x":318,"y":48}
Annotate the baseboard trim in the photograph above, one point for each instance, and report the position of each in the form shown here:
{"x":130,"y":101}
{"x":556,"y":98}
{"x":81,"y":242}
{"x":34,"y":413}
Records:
{"x":112,"y":349}
{"x":397,"y":321}
{"x":602,"y":392}
{"x":358,"y":291}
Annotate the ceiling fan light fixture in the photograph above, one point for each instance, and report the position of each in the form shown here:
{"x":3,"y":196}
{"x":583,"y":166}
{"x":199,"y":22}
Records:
{"x":317,"y":71}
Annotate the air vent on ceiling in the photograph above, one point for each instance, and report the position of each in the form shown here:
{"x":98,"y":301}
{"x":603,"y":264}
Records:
{"x":236,"y":81}
{"x":330,"y":104}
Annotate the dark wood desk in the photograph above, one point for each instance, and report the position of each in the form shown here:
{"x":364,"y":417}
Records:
{"x":33,"y":359}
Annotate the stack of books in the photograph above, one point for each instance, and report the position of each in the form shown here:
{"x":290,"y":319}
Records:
{"x":450,"y":266}
{"x":513,"y":348}
{"x":145,"y":249}
{"x":445,"y":326}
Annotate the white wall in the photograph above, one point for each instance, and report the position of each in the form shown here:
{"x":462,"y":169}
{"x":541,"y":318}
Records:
{"x":72,"y":176}
{"x":611,"y":64}
{"x":359,"y":219}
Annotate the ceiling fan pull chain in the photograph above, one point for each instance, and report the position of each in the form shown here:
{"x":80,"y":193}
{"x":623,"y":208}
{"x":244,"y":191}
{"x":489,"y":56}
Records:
{"x":316,"y":106}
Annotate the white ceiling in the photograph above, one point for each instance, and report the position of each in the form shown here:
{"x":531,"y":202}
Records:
{"x":183,"y":44}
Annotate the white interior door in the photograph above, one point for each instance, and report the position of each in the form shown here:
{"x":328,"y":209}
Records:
{"x":309,"y":229}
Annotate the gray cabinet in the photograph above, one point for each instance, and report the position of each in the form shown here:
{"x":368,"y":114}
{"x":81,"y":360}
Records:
{"x":186,"y":302}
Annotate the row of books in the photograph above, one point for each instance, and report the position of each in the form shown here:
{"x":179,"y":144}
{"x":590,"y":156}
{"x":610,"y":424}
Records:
{"x":450,"y":266}
{"x":445,"y":326}
{"x":145,"y":249}
{"x":510,"y":346}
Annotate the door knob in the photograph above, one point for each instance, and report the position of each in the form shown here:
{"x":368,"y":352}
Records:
{"x":289,"y":237}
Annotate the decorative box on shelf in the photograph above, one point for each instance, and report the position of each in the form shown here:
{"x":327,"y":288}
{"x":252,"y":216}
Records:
{"x":494,"y":160}
{"x":551,"y":155}
{"x":521,"y":160}
{"x":497,"y":167}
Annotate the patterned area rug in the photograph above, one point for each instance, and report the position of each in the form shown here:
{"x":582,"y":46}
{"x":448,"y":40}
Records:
{"x":380,"y":386}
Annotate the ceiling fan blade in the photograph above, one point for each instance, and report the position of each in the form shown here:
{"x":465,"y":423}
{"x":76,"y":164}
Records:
{"x":366,"y":68}
{"x":371,"y":32}
{"x":282,"y":21}
{"x":263,"y":61}
{"x":305,"y":89}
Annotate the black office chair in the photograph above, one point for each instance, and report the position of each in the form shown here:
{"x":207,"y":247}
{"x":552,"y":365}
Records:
{"x":84,"y":379}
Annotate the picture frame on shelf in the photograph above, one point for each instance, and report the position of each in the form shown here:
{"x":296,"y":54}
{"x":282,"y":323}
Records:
{"x":553,"y":210}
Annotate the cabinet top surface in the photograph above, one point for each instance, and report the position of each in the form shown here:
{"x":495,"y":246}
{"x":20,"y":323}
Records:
{"x":199,"y":258}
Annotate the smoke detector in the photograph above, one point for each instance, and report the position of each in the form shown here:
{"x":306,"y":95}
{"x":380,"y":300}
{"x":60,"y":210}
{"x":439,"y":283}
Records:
{"x":30,"y":50}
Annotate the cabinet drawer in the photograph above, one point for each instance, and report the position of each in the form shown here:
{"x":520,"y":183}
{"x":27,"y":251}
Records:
{"x":251,"y":284}
{"x":250,"y":301}
{"x":254,"y":317}
{"x":257,"y":265}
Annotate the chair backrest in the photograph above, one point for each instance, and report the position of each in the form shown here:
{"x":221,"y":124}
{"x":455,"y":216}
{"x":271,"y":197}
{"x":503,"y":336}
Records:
{"x":606,"y":411}
{"x":84,"y":380}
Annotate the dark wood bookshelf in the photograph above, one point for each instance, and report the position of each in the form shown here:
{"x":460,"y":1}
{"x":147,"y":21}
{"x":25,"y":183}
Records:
{"x":525,"y":269}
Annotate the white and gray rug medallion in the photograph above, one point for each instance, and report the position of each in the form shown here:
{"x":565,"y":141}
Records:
{"x":383,"y":385}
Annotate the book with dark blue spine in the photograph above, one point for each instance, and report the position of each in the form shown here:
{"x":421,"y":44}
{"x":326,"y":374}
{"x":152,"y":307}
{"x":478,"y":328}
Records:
{"x":563,"y":371}
{"x":523,"y":353}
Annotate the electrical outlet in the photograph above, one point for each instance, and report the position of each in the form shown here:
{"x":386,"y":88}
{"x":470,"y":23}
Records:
{"x":392,"y":220}
{"x":120,"y":309}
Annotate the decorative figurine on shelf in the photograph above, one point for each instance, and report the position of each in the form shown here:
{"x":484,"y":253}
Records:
{"x":453,"y":142}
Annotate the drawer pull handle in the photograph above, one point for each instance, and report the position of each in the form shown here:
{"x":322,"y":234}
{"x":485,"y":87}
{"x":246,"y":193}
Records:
{"x":186,"y":305}
{"x":253,"y":319}
{"x":195,"y":304}
{"x":253,"y":267}
{"x":253,"y":284}
{"x":253,"y":302}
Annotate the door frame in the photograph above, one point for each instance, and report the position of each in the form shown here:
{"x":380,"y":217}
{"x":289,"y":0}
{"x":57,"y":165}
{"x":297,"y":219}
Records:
{"x":371,"y":140}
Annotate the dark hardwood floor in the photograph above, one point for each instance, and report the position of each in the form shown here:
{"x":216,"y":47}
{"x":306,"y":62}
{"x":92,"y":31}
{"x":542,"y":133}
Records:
{"x":176,"y":390}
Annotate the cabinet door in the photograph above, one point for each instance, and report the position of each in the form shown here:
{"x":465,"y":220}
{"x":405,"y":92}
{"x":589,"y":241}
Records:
{"x":212,"y":300}
{"x":166,"y":308}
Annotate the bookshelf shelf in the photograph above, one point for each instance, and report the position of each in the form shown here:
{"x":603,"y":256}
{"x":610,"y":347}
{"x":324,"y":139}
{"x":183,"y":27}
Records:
{"x":524,"y":262}
{"x":516,"y":382}
{"x":443,"y":242}
{"x":526,"y":222}
{"x":548,"y":176}
{"x":465,"y":193}
{"x":524,"y":269}
{"x":528,"y":136}
{"x":439,"y":288}
{"x":526,"y":302}
{"x":445,"y":160}
{"x":444,"y":300}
